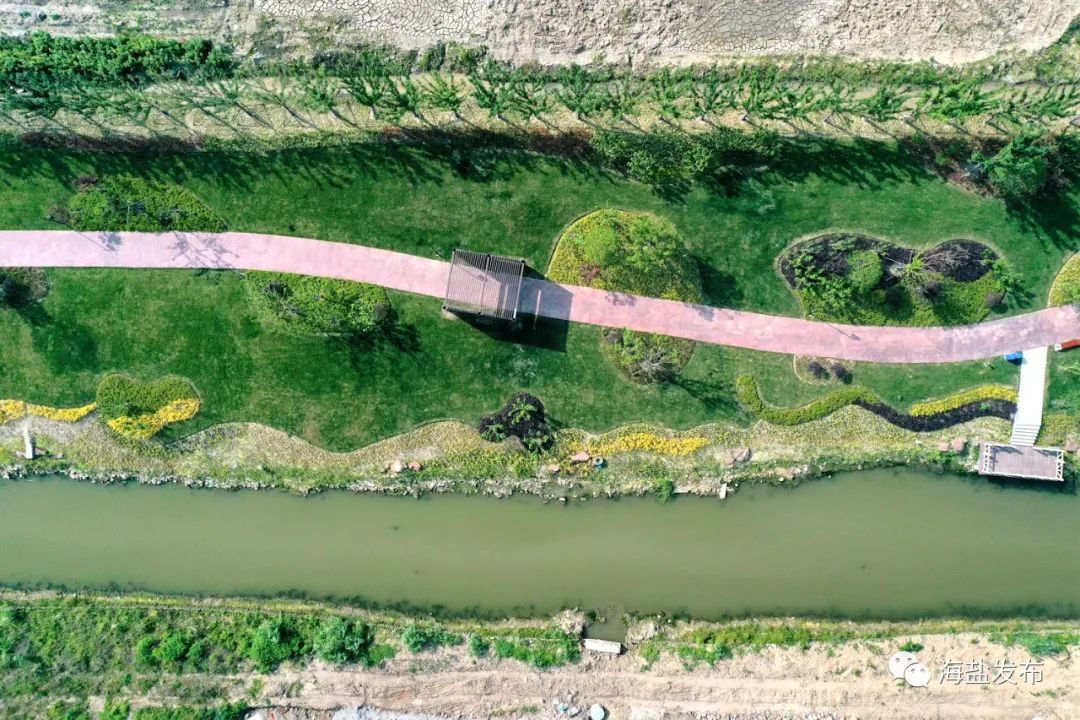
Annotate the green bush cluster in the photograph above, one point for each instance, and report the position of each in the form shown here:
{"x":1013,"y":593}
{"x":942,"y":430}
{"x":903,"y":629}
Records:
{"x":130,"y":203}
{"x":226,"y":711}
{"x":539,"y":647}
{"x":1039,"y":644}
{"x":663,"y":157}
{"x":277,"y":640}
{"x":418,"y":637}
{"x":323,"y":306}
{"x":41,"y":61}
{"x":119,"y":395}
{"x":746,"y":389}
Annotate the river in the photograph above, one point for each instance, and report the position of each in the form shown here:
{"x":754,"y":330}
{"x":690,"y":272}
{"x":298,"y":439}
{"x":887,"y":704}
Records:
{"x":881,"y":543}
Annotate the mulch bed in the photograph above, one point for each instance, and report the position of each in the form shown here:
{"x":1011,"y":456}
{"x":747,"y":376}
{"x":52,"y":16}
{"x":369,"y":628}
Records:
{"x":961,"y":260}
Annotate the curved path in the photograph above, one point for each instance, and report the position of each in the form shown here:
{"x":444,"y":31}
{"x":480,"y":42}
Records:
{"x":398,"y":271}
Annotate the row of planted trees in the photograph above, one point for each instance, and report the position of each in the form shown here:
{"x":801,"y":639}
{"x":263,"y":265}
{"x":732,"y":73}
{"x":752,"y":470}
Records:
{"x":390,"y":92}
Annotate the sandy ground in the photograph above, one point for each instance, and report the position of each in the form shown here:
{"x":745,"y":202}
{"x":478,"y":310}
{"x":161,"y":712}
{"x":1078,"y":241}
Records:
{"x":849,"y":681}
{"x":562,"y":30}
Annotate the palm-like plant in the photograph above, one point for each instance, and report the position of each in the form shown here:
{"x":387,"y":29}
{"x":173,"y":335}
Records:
{"x":404,"y":97}
{"x":277,"y":92}
{"x":492,"y":89}
{"x":530,"y":97}
{"x":885,"y":104}
{"x":667,"y":89}
{"x":578,"y":94}
{"x":320,"y":93}
{"x":443,"y":93}
{"x":710,"y":93}
{"x":758,"y":91}
{"x":622,"y":98}
{"x":230,"y":94}
{"x":1053,"y":104}
{"x":961,"y":100}
{"x":370,"y":88}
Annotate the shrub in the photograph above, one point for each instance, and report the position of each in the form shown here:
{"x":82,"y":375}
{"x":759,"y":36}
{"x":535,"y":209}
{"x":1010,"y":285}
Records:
{"x":541,"y":648}
{"x":341,"y":641}
{"x":131,"y":203}
{"x":1020,"y":169}
{"x":817,"y":370}
{"x":982,"y":393}
{"x":911,"y":646}
{"x":657,"y":157}
{"x":746,"y":389}
{"x":841,"y":373}
{"x":274,"y":642}
{"x":116,"y":710}
{"x":418,"y":638}
{"x":20,"y":287}
{"x":323,"y":306}
{"x":68,"y":711}
{"x":478,"y":646}
{"x":864,"y":270}
{"x":522,"y":416}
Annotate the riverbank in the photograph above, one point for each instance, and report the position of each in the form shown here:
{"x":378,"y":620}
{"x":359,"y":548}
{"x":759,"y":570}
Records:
{"x":450,"y":456}
{"x":669,"y":669}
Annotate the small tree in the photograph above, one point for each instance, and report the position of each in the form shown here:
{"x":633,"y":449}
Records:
{"x":1020,"y":169}
{"x":444,"y":93}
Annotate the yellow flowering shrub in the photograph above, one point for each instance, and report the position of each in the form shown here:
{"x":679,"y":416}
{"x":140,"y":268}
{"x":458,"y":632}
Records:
{"x":15,"y":409}
{"x":146,"y":426}
{"x":11,"y":410}
{"x":952,"y":402}
{"x":648,"y":442}
{"x":71,"y":415}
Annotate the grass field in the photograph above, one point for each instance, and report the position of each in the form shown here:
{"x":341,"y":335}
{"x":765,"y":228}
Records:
{"x":427,"y":202}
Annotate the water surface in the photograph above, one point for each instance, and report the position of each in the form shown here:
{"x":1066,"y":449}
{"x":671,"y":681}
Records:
{"x":878,"y":543}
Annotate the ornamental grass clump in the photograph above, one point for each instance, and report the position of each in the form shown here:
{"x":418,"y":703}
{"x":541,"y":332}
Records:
{"x":140,"y":410}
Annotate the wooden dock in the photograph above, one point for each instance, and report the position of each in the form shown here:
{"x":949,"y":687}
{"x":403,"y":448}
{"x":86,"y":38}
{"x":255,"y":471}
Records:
{"x":1025,"y":461}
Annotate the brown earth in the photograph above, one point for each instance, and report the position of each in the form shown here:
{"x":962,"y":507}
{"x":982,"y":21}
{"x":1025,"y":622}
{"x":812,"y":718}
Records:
{"x":552,"y":31}
{"x":842,"y":681}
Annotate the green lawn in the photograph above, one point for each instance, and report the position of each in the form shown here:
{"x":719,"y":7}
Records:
{"x":416,"y":200}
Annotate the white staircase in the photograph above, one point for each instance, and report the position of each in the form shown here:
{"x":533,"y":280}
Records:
{"x":1029,"y":401}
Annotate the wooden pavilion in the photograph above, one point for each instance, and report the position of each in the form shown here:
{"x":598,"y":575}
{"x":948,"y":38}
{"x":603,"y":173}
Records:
{"x":484,"y":286}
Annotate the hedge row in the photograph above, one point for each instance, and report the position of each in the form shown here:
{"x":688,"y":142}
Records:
{"x":984,"y":401}
{"x":983,"y":393}
{"x":746,"y":389}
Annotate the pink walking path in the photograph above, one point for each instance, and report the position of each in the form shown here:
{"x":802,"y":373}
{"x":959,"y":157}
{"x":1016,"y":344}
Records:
{"x":408,"y":273}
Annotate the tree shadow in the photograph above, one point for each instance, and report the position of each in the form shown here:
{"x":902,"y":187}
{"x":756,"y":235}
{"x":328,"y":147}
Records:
{"x":720,"y":288}
{"x":64,"y":345}
{"x":714,"y":396}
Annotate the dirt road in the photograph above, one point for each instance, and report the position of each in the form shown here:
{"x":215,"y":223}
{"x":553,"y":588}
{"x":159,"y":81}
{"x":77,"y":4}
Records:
{"x":846,"y":681}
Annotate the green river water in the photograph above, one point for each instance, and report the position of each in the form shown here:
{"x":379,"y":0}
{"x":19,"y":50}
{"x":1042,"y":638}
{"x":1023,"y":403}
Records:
{"x":882,"y":543}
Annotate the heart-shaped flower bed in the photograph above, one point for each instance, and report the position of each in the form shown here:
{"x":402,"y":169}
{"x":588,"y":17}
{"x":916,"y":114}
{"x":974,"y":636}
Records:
{"x":140,"y":410}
